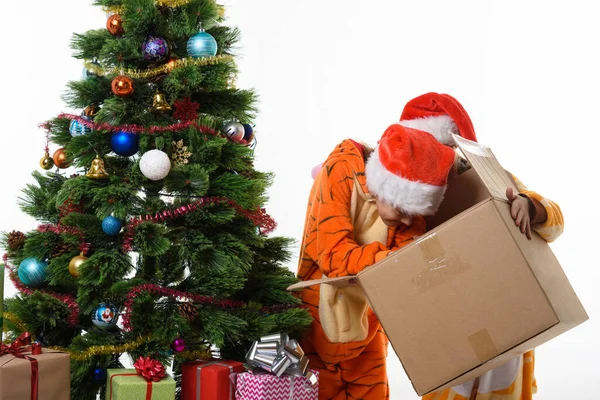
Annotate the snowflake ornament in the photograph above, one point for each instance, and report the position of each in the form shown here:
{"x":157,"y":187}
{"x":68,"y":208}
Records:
{"x":180,"y":155}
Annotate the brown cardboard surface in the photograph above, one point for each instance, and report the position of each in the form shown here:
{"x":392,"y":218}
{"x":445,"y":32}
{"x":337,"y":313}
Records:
{"x":472,"y":293}
{"x":481,"y":299}
{"x":548,"y":272}
{"x":54,"y":376}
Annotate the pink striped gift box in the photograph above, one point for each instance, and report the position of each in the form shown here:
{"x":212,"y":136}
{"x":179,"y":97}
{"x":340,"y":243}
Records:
{"x":269,"y":387}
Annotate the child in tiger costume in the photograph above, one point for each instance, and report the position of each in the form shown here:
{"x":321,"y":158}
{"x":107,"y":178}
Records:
{"x":365,"y":204}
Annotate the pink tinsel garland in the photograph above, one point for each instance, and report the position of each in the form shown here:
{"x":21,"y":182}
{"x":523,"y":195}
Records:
{"x":152,"y":130}
{"x":258,"y":217}
{"x":195,"y":298}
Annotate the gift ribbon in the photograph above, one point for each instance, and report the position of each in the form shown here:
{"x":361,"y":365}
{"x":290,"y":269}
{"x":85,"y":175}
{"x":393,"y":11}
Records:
{"x":149,"y":369}
{"x":199,"y":381}
{"x":16,"y":349}
{"x":278,"y":355}
{"x":148,"y":387}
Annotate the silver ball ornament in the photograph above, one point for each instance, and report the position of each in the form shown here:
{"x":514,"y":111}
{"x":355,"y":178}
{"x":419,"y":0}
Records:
{"x":234,"y":131}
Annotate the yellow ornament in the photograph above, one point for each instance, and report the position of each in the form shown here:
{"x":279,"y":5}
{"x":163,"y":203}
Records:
{"x":75,"y":264}
{"x":160,"y":103}
{"x":97,"y":170}
{"x":46,"y":162}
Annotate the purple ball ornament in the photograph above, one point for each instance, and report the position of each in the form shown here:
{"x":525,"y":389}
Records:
{"x":155,"y":48}
{"x":178,"y":345}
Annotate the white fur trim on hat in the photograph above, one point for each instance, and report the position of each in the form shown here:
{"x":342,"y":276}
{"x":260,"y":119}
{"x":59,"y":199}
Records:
{"x":440,"y":126}
{"x":413,"y":198}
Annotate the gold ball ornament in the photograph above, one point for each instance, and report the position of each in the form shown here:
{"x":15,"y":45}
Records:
{"x":114,"y":24}
{"x":91,"y":111}
{"x":122,"y":86}
{"x":75,"y":263}
{"x":46,"y":162}
{"x":60,"y":158}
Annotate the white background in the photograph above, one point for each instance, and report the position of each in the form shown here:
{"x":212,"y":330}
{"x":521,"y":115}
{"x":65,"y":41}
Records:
{"x":527,"y":72}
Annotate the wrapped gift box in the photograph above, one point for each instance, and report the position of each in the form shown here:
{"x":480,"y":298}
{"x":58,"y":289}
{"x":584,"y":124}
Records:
{"x":126,"y":384}
{"x":53,"y":380}
{"x":267,"y":386}
{"x":208,"y":380}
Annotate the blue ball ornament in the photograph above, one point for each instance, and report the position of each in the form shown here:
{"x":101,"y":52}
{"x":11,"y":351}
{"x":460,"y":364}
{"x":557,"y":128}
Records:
{"x":99,"y":374}
{"x":124,"y":143}
{"x":105,"y":316}
{"x":248,"y":133}
{"x":202,"y":44}
{"x":76,"y":128}
{"x":155,"y":48}
{"x":111,"y":226}
{"x":32,"y":272}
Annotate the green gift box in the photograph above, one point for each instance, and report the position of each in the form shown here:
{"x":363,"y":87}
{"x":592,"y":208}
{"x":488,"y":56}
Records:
{"x":126,"y":384}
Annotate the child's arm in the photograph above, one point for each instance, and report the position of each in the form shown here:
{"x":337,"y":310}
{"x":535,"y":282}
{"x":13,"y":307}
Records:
{"x":329,"y":237}
{"x":545,"y":215}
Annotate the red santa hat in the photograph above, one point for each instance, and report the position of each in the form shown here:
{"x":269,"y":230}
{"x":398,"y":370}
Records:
{"x":409,"y":170}
{"x":439,"y":114}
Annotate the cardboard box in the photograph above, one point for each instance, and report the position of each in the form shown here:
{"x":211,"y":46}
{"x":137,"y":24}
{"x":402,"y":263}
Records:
{"x":473,"y":292}
{"x":126,"y":384}
{"x":54,"y":376}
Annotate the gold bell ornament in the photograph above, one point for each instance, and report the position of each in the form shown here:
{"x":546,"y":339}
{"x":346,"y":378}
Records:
{"x":159,"y":103}
{"x":97,"y":170}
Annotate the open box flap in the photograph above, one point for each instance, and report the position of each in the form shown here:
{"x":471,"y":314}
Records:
{"x":338,"y":281}
{"x":483,"y":161}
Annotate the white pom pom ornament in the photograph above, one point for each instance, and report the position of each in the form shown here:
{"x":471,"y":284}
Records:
{"x":155,"y":164}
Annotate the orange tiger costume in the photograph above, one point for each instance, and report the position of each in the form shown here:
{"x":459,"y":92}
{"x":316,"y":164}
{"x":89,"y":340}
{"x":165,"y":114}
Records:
{"x":355,"y":369}
{"x":331,"y":247}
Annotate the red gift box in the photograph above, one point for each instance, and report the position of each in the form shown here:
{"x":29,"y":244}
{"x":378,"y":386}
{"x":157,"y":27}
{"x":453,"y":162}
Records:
{"x":208,"y":380}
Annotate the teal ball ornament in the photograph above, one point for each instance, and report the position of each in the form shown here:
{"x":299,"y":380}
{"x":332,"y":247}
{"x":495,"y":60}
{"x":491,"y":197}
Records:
{"x":76,"y":128}
{"x":111,"y":226}
{"x":32,"y":272}
{"x":105,"y":316}
{"x":202,"y":44}
{"x":124,"y":143}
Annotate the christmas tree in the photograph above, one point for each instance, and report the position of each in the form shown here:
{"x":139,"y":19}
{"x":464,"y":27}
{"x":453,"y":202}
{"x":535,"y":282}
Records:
{"x":153,"y":236}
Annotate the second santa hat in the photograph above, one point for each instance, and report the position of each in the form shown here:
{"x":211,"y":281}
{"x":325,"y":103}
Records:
{"x":409,"y":170}
{"x":439,"y":114}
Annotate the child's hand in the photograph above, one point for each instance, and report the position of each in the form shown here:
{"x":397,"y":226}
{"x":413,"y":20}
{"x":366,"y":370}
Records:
{"x":519,"y":210}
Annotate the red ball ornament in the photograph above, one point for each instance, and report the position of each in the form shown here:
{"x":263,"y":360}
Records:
{"x":178,"y":345}
{"x":122,"y":86}
{"x":60,"y":158}
{"x":114,"y":24}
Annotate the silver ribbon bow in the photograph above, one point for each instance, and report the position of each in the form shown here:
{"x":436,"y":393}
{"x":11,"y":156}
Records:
{"x":279,"y":355}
